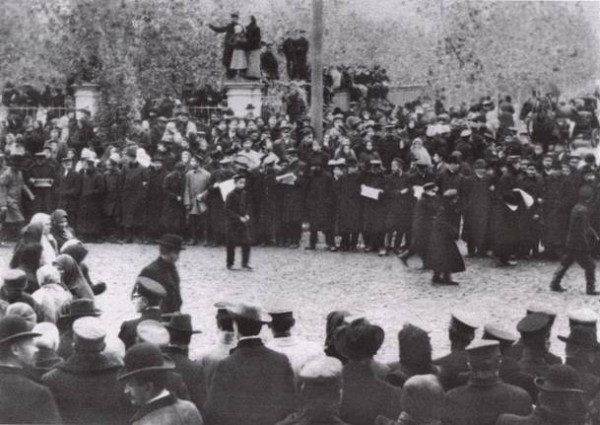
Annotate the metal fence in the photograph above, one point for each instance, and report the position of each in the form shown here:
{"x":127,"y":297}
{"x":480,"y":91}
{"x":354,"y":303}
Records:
{"x":36,"y":113}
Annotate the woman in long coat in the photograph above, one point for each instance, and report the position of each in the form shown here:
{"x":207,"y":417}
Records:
{"x":216,"y":205}
{"x":269,"y":213}
{"x":134,"y":186}
{"x":173,"y":213}
{"x":400,"y":205}
{"x":349,"y":208}
{"x":374,"y":210}
{"x":292,"y":212}
{"x":320,"y":206}
{"x":90,"y":221}
{"x":443,"y":256}
{"x":553,"y":216}
{"x":156,"y":196}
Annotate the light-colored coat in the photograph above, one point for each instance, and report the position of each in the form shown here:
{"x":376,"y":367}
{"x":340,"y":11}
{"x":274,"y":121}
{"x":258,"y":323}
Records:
{"x":196,"y":183}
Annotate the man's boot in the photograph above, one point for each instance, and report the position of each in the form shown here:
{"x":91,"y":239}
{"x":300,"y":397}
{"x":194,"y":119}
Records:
{"x":555,"y":283}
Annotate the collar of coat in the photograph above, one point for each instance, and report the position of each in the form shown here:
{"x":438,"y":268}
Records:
{"x":90,"y":362}
{"x":10,"y":370}
{"x":151,"y":407}
{"x":248,"y":343}
{"x":173,"y":349}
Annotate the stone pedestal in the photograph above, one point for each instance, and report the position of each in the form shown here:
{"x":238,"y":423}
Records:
{"x":242,"y":93}
{"x":86,"y":97}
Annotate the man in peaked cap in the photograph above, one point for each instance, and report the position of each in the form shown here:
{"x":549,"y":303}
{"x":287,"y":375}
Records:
{"x":580,"y":239}
{"x":146,"y":375}
{"x":237,"y":209}
{"x":298,"y":351}
{"x":516,"y":350}
{"x":485,"y":397}
{"x":249,"y":367}
{"x":320,"y":393}
{"x":560,"y":400}
{"x":13,"y":289}
{"x":509,"y":368}
{"x":454,"y":367}
{"x":22,"y":399}
{"x":180,"y":335}
{"x":581,"y":352}
{"x":85,"y":386}
{"x":147,"y":297}
{"x":164,"y":271}
{"x":82,"y":307}
{"x":534,"y":333}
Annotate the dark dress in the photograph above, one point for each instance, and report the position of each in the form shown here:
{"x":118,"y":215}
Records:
{"x":90,"y":218}
{"x":133,"y":197}
{"x":320,"y":202}
{"x":156,"y":196}
{"x":443,"y":255}
{"x":349,"y":204}
{"x":374,"y":210}
{"x":424,"y":213}
{"x":69,"y":189}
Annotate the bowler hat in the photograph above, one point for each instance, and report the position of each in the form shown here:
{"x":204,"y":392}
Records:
{"x":80,"y":308}
{"x":560,"y":378}
{"x":359,"y":340}
{"x":170,"y":240}
{"x":144,"y":358}
{"x":251,"y":312}
{"x":582,"y":336}
{"x":182,"y":323}
{"x":14,"y":328}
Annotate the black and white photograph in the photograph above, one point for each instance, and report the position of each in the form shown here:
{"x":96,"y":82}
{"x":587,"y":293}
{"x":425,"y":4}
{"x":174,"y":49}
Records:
{"x":299,"y":212}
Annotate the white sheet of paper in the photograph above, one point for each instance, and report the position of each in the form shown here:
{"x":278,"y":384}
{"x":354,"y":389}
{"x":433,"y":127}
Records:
{"x":226,"y":187}
{"x":527,"y":198}
{"x":370,"y":192}
{"x":289,"y":178}
{"x":418,"y":191}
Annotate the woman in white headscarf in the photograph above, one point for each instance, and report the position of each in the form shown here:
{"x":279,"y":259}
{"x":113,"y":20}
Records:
{"x":49,"y":245}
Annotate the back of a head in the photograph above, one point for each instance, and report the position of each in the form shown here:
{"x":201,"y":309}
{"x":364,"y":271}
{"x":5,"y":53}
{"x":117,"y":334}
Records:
{"x":423,"y":398}
{"x":335,"y":319}
{"x":23,"y":310}
{"x":248,"y":327}
{"x":321,"y":379}
{"x":49,"y":337}
{"x":414,"y":345}
{"x":224,"y":320}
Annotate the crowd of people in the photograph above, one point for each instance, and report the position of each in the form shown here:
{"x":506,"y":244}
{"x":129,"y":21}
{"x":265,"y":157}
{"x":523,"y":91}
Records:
{"x":360,"y":82}
{"x":59,"y":363}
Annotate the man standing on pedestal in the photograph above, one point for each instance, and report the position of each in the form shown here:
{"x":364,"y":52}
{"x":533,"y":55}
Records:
{"x":227,"y":47}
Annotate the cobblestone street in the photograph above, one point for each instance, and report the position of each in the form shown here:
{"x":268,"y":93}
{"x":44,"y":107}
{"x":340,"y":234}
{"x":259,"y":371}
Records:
{"x":316,"y":282}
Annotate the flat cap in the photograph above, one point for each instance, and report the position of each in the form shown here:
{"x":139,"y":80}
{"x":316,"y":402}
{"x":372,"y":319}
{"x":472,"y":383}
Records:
{"x":496,"y":332}
{"x":533,"y":324}
{"x":322,"y":370}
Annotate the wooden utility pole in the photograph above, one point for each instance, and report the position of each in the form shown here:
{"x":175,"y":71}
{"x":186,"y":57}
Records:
{"x":316,"y":63}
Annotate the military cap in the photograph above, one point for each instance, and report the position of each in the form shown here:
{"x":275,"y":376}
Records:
{"x":484,"y":348}
{"x":153,"y":332}
{"x":89,"y":334}
{"x":239,"y":176}
{"x":281,"y":313}
{"x":15,"y":279}
{"x":582,"y":337}
{"x":429,"y":186}
{"x":533,"y":324}
{"x":464,"y":321}
{"x":451,"y":193}
{"x":541,"y":308}
{"x":223,"y":306}
{"x":492,"y":331}
{"x":322,"y":370}
{"x":149,"y":288}
{"x":250,"y":312}
{"x":582,"y":317}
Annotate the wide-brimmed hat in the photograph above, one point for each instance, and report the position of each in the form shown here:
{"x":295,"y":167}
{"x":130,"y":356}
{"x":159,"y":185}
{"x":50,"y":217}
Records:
{"x":170,"y":240}
{"x":144,"y":358}
{"x":251,"y":312}
{"x":181,"y":322}
{"x":81,"y":308}
{"x":359,"y":340}
{"x":560,"y":378}
{"x":14,"y":328}
{"x":582,"y":336}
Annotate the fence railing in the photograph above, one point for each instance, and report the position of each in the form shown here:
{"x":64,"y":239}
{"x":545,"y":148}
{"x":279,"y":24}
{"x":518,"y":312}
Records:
{"x":36,"y":113}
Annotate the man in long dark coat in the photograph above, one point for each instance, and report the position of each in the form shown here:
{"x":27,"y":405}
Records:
{"x":485,"y":397}
{"x":237,"y":209}
{"x":156,"y":195}
{"x":164,"y":271}
{"x":68,"y":190}
{"x":476,"y":204}
{"x":133,"y":200}
{"x":400,"y":205}
{"x":227,"y":46}
{"x":269,"y":203}
{"x":443,"y":256}
{"x":85,"y":386}
{"x":320,"y":206}
{"x":349,"y":207}
{"x":292,"y":212}
{"x":91,"y":220}
{"x":111,"y":204}
{"x":258,"y":381}
{"x":216,"y":203}
{"x":173,"y":212}
{"x":23,"y":400}
{"x":529,"y":218}
{"x":374,"y":210}
{"x":505,"y":216}
{"x":554,"y":214}
{"x":41,"y":177}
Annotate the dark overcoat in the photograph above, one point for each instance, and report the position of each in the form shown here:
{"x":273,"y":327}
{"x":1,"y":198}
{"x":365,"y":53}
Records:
{"x":166,"y":274}
{"x":128,"y":332}
{"x":173,"y":212}
{"x":538,"y":417}
{"x":236,"y":207}
{"x":156,"y":197}
{"x":579,"y":234}
{"x":504,"y":220}
{"x":320,"y":202}
{"x":69,"y":189}
{"x":227,"y":47}
{"x":476,"y":204}
{"x":374,"y":210}
{"x":424,"y":213}
{"x":167,"y":410}
{"x":365,"y":396}
{"x":23,"y":400}
{"x":258,"y":381}
{"x":111,"y":204}
{"x":90,"y":218}
{"x":529,"y":228}
{"x":349,"y":204}
{"x":474,"y":404}
{"x":442,"y":252}
{"x":216,"y":204}
{"x":133,"y":197}
{"x":400,"y":203}
{"x":454,"y":370}
{"x":191,"y":372}
{"x":269,"y":204}
{"x":44,"y":196}
{"x":87,"y":391}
